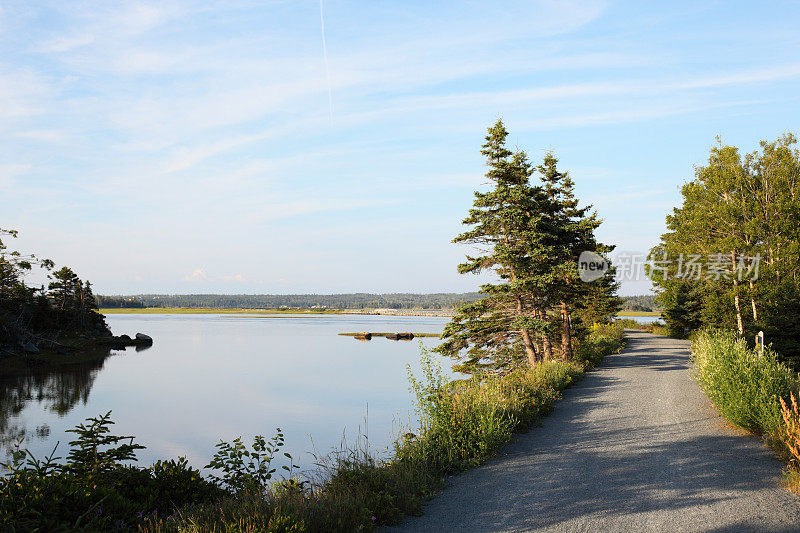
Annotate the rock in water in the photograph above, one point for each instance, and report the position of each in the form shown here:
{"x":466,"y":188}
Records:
{"x":141,"y":337}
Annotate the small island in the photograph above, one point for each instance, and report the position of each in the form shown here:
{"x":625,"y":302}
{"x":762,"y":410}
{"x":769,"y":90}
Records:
{"x":54,"y":324}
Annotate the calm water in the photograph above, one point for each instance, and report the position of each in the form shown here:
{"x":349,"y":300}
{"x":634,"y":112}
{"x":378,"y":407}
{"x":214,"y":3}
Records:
{"x":209,"y":377}
{"x":644,"y":319}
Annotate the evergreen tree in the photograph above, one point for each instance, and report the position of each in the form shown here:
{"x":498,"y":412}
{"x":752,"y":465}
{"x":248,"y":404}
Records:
{"x":65,"y":289}
{"x":531,"y":237}
{"x":510,"y":225}
{"x":574,"y":227}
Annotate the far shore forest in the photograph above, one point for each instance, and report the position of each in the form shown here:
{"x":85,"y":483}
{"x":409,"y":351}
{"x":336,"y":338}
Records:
{"x":431,"y":301}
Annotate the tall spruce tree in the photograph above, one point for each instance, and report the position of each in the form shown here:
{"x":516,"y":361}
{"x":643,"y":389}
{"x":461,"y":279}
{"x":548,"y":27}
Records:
{"x":574,"y":228}
{"x":511,"y":226}
{"x":531,"y":237}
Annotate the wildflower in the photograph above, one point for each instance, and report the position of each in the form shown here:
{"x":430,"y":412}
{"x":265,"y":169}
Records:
{"x":374,"y":518}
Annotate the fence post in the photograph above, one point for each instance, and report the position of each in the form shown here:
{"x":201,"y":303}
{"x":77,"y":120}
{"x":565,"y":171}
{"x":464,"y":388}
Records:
{"x":760,"y":342}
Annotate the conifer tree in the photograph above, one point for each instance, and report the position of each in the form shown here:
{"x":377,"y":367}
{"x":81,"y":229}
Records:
{"x":531,"y":237}
{"x":574,"y":228}
{"x":510,"y":224}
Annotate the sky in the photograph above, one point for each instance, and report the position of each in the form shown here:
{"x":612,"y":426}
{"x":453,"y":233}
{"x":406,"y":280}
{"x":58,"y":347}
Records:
{"x":306,"y":147}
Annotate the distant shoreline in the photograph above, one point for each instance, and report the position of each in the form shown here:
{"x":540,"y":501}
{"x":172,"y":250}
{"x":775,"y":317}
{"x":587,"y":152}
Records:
{"x":272,"y":312}
{"x":639,"y":313}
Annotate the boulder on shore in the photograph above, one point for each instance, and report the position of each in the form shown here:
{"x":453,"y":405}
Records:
{"x":125,"y":340}
{"x":141,"y":337}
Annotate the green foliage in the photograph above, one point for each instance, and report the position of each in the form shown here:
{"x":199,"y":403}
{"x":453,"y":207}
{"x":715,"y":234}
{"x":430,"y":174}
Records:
{"x":31,"y":315}
{"x":94,"y":490}
{"x":604,"y":339}
{"x":530,"y":235}
{"x":244,"y":470}
{"x":96,"y":451}
{"x":744,"y":385}
{"x":737,"y":206}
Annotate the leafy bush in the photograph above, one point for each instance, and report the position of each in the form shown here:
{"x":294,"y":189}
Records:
{"x":244,"y":470}
{"x":746,"y":386}
{"x":603,"y":339}
{"x":94,"y":490}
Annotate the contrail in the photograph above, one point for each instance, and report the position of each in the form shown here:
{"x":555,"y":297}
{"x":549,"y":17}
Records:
{"x":325,"y":57}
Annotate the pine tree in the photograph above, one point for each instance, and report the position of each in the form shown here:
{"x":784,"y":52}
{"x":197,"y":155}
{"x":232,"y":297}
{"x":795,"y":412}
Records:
{"x":510,"y":224}
{"x":574,"y":228}
{"x":66,"y":288}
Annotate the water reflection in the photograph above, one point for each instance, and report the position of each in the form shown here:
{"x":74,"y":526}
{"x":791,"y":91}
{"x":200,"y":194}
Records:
{"x":56,"y":389}
{"x":210,"y":377}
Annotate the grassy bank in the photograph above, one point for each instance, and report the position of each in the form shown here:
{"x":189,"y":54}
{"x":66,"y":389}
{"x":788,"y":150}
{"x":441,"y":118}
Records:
{"x":461,"y":424}
{"x":749,"y":389}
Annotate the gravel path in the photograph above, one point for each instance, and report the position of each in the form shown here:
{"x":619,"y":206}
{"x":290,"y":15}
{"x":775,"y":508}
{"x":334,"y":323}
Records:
{"x":636,"y":446}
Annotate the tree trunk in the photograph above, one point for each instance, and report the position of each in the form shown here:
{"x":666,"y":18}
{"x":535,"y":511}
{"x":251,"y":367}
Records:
{"x":566,"y":334}
{"x":547,"y":346}
{"x":530,"y":349}
{"x":739,"y":324}
{"x":753,"y":301}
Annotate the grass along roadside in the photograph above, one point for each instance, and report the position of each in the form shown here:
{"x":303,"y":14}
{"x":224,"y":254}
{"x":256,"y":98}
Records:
{"x":461,"y":424}
{"x":754,"y":391}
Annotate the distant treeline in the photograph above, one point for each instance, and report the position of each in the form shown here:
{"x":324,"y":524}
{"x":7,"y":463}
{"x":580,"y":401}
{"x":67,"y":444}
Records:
{"x":646,"y":302}
{"x":302,"y":301}
{"x":308,"y":301}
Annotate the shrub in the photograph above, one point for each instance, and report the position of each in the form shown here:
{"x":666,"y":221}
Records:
{"x":244,"y":470}
{"x":746,"y":386}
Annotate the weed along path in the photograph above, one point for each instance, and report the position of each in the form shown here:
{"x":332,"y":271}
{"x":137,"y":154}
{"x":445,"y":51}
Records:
{"x":635,"y":446}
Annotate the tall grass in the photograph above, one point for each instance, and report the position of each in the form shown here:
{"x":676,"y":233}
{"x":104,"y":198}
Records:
{"x":746,"y":386}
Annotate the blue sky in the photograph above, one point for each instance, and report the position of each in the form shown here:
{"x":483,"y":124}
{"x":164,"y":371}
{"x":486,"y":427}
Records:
{"x":204,"y":147}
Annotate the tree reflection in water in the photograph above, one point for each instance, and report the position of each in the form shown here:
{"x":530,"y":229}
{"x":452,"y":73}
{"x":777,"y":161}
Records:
{"x":58,"y":388}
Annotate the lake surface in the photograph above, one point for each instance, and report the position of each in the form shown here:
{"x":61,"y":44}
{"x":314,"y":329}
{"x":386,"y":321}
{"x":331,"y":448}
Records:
{"x":212,"y":377}
{"x":644,"y":319}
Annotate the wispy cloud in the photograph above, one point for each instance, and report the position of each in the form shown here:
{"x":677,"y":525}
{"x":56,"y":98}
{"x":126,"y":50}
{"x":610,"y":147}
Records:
{"x":196,"y":276}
